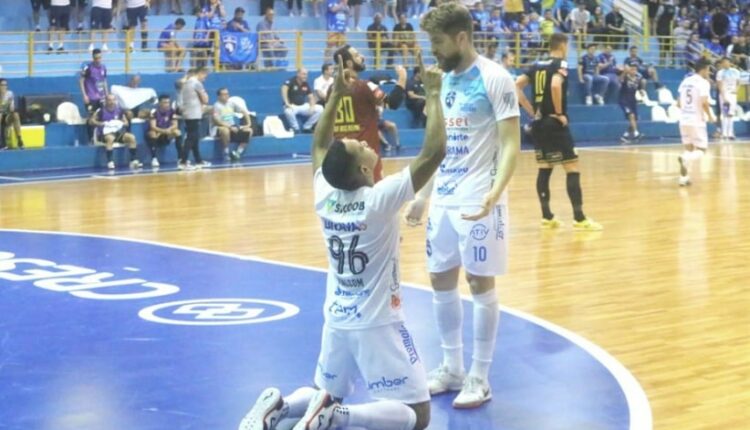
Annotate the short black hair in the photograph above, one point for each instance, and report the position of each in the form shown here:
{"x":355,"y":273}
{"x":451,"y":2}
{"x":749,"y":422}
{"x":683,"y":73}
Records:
{"x":180,"y":22}
{"x":590,"y":45}
{"x":95,"y":52}
{"x":339,"y":167}
{"x":417,"y":70}
{"x":163,"y":97}
{"x":344,"y":53}
{"x":632,"y":48}
{"x":3,"y":81}
{"x":324,"y":67}
{"x":702,"y":64}
{"x":218,"y":92}
{"x":239,"y":9}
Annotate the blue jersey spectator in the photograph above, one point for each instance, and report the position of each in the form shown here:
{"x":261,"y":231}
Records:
{"x":589,"y":76}
{"x":608,"y":68}
{"x":714,"y":47}
{"x":238,"y":23}
{"x":735,"y":21}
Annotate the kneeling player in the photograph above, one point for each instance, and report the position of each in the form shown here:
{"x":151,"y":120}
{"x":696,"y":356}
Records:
{"x":693,"y":101}
{"x":163,"y":127}
{"x":111,"y":127}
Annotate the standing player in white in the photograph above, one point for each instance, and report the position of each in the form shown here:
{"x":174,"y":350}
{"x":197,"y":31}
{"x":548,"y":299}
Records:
{"x":693,"y":101}
{"x":727,"y":81}
{"x":468,"y":218}
{"x":364,"y":332}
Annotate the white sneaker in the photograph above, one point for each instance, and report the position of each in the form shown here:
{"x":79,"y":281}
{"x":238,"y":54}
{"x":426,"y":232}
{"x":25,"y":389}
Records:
{"x":599,"y":99}
{"x":135,"y":164}
{"x":474,"y":393}
{"x":111,"y":165}
{"x":105,"y":48}
{"x":154,"y":162}
{"x":266,"y":411}
{"x":203,"y":164}
{"x":441,"y":380}
{"x":319,"y":414}
{"x":588,"y":101}
{"x":684,"y":181}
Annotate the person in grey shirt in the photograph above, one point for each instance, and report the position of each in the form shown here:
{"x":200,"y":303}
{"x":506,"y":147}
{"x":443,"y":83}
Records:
{"x":8,"y":115}
{"x":194,"y":98}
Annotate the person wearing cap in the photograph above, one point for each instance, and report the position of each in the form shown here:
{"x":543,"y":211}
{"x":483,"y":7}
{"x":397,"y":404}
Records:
{"x":238,"y":23}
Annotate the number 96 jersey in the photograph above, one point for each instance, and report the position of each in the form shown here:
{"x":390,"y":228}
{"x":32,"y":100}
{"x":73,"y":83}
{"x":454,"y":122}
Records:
{"x":361,"y":231}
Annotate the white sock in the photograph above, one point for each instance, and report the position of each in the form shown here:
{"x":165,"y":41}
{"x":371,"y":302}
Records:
{"x":730,"y":126}
{"x":486,"y":319}
{"x":296,"y":403}
{"x":383,"y":415}
{"x":449,"y":313}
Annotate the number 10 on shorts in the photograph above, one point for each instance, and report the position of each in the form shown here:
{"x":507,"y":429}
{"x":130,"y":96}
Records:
{"x":480,"y":253}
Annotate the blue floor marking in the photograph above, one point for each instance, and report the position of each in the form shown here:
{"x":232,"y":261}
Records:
{"x":75,"y":354}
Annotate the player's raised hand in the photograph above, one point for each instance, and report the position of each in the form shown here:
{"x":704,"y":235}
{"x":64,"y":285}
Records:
{"x":432,"y":79}
{"x":342,"y":81}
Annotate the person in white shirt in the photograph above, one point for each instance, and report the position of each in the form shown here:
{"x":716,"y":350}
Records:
{"x":322,"y":83}
{"x":694,"y":92}
{"x":579,"y":20}
{"x":364,"y":332}
{"x":727,"y":81}
{"x":468,"y":219}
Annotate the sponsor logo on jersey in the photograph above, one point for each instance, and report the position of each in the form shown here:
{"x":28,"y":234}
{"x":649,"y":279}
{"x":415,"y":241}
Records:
{"x":457,"y":137}
{"x":460,"y":121}
{"x":333,"y":206}
{"x":447,"y":188}
{"x":457,"y":150}
{"x":395,"y":301}
{"x":409,"y":344}
{"x":468,"y":108}
{"x":385,"y":384}
{"x":343,"y":226}
{"x":327,"y":375}
{"x":453,"y":170}
{"x":346,"y":293}
{"x":509,"y":99}
{"x":428,"y":248}
{"x":342,"y":311}
{"x":351,"y":283}
{"x":450,"y":98}
{"x":479,"y":232}
{"x":499,"y":223}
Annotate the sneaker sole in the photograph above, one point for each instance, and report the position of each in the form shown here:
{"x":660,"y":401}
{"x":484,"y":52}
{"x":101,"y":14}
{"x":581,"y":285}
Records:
{"x":268,"y":402}
{"x":445,"y":390}
{"x":472,"y":405}
{"x":318,"y":403}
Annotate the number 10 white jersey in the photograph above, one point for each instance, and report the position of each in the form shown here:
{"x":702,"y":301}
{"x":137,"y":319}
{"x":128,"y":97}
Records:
{"x":693,"y":90}
{"x":361,"y":231}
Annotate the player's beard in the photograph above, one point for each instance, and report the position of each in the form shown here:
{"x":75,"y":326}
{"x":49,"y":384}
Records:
{"x":447,"y":64}
{"x":359,"y":67}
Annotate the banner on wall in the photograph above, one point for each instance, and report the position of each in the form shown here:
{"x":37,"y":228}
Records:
{"x":238,"y":48}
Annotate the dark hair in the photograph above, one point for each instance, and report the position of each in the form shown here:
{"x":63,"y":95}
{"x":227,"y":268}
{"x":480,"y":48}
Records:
{"x":590,"y":45}
{"x":239,"y":9}
{"x":200,"y":70}
{"x":702,"y":64}
{"x":344,"y":53}
{"x":506,"y":54}
{"x":449,"y":18}
{"x":417,"y":70}
{"x":632,"y":47}
{"x":324,"y":67}
{"x":218,"y":92}
{"x":557,"y":40}
{"x":95,"y":52}
{"x":339,"y":167}
{"x":163,"y":97}
{"x":180,"y":22}
{"x":3,"y":80}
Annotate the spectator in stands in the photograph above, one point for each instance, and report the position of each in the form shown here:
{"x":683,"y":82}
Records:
{"x":496,"y":24}
{"x":337,"y":16}
{"x":174,"y":6}
{"x":101,"y":22}
{"x":271,"y":46}
{"x":163,"y":127}
{"x":609,"y":69}
{"x":735,"y":21}
{"x":740,"y":52}
{"x":355,"y":6}
{"x":238,"y":23}
{"x":563,"y":8}
{"x":481,"y":19}
{"x":36,"y":7}
{"x":681,"y":35}
{"x":508,"y":60}
{"x":174,"y":54}
{"x":322,"y":83}
{"x":618,"y":35}
{"x":93,"y":84}
{"x":579,"y":21}
{"x":315,"y":6}
{"x":533,"y":33}
{"x":194,"y":100}
{"x":137,"y":13}
{"x":111,"y":127}
{"x":687,"y":12}
{"x":59,"y":21}
{"x":590,"y":78}
{"x":385,"y":129}
{"x":652,"y":6}
{"x":598,"y":27}
{"x":386,"y":46}
{"x":704,"y":23}
{"x":80,"y":6}
{"x":548,"y":26}
{"x":299,"y":100}
{"x":720,"y":26}
{"x":535,"y":6}
{"x":290,"y":7}
{"x":694,"y":50}
{"x":415,"y":97}
{"x":646,"y":70}
{"x":714,"y":47}
{"x":664,"y":22}
{"x":490,"y":50}
{"x":229,"y":128}
{"x":216,"y":14}
{"x":8,"y":115}
{"x":202,"y":41}
{"x":404,"y":38}
{"x":514,"y":9}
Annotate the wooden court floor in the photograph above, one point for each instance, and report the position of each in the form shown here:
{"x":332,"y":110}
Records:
{"x":664,"y":288}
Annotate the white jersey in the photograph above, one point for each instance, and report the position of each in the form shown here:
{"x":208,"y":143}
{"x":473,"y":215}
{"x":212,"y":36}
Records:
{"x":361,"y":229}
{"x":132,"y":4}
{"x":473,"y":101}
{"x":60,"y":3}
{"x":693,"y":90}
{"x":730,"y":79}
{"x":103,"y":4}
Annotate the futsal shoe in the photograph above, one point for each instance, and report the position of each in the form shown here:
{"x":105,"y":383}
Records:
{"x":319,"y":414}
{"x":474,"y":393}
{"x":683,"y":167}
{"x":442,"y":380}
{"x":266,"y":412}
{"x":551,"y":224}
{"x":587,"y":225}
{"x":684,"y":181}
{"x":135,"y":164}
{"x":111,"y":165}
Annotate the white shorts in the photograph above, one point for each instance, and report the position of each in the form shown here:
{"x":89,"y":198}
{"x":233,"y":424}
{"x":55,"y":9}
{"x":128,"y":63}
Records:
{"x":695,"y":135}
{"x":481,"y":247}
{"x":384,"y":356}
{"x":731,"y":104}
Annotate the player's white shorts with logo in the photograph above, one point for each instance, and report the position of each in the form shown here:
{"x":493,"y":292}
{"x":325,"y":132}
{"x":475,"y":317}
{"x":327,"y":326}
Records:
{"x":731,"y":101}
{"x":386,"y":358}
{"x":695,"y":135}
{"x":481,"y":247}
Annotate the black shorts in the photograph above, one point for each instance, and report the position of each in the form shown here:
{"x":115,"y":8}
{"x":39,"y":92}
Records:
{"x":354,"y":2}
{"x":59,"y":17}
{"x":39,"y":4}
{"x":239,"y":136}
{"x":93,"y":106}
{"x":553,"y":143}
{"x":628,"y":107}
{"x":136,"y":15}
{"x":101,"y":18}
{"x":80,"y":3}
{"x":162,"y":140}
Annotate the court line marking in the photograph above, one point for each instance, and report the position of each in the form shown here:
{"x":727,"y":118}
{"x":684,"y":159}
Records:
{"x":641,"y":417}
{"x":11,"y":178}
{"x":709,"y":155}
